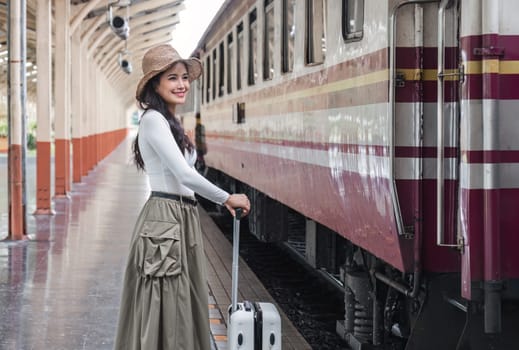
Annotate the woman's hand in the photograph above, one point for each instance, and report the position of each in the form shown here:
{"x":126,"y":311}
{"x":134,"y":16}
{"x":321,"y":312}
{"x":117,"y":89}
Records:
{"x":238,"y":200}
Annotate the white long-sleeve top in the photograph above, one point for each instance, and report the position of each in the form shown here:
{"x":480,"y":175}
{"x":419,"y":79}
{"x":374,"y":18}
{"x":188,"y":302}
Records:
{"x":167,"y":169}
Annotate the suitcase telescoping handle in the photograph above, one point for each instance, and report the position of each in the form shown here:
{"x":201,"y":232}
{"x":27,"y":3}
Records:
{"x":235,"y":257}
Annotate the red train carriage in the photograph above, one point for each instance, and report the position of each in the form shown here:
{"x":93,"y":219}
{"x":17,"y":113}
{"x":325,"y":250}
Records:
{"x":392,"y":125}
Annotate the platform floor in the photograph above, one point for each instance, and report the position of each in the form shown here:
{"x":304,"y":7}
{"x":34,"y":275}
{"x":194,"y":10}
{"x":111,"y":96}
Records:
{"x":61,"y":288}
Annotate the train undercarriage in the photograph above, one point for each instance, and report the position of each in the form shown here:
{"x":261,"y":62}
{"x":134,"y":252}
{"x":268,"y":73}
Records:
{"x":383,"y":307}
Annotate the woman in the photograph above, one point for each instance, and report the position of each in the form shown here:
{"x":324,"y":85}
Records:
{"x":165,"y":297}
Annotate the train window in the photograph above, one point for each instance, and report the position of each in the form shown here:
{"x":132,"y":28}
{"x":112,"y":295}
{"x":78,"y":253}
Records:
{"x":238,"y":113}
{"x":268,"y":48}
{"x":208,"y":79}
{"x":288,"y":35}
{"x":229,"y":63}
{"x":202,"y":85}
{"x":214,"y":74}
{"x":315,"y":43}
{"x":352,"y":19}
{"x":221,"y":69}
{"x":253,"y":38}
{"x":239,"y":55}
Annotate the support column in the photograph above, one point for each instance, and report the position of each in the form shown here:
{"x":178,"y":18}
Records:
{"x":92,"y":82}
{"x":16,"y":230}
{"x":84,"y":110}
{"x":62,"y":98}
{"x":44,"y":107}
{"x":97,"y":112}
{"x":77,"y":107}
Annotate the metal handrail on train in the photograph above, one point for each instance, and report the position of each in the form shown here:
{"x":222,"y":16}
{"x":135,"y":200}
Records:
{"x":411,"y":292}
{"x":391,"y":108}
{"x":440,"y":156}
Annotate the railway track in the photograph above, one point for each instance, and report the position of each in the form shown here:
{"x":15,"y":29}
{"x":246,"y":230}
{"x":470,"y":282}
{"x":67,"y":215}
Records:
{"x":309,"y":302}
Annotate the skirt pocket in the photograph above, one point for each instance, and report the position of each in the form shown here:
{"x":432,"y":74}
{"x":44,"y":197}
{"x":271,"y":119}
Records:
{"x":158,"y":251}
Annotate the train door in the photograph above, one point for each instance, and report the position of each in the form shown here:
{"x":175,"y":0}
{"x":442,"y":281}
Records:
{"x":425,"y":74}
{"x":425,"y":71}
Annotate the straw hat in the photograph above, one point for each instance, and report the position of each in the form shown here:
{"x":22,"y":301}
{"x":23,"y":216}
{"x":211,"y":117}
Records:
{"x":159,"y":58}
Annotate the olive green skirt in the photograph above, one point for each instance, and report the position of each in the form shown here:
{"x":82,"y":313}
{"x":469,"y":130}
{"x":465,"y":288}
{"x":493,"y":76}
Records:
{"x":165,"y":297}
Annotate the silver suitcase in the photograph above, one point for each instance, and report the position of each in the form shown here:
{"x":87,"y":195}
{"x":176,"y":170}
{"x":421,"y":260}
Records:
{"x":252,"y":326}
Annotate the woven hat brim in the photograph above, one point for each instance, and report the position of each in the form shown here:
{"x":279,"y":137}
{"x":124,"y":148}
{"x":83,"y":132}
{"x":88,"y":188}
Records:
{"x":194,"y":69}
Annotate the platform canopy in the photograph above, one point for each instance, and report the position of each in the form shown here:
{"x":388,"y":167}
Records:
{"x":151,"y":22}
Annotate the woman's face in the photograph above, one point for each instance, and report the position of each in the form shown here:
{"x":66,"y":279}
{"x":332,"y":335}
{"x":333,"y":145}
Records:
{"x":174,"y":84}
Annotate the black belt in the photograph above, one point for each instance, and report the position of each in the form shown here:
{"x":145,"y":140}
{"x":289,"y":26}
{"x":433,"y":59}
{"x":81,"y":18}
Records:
{"x":175,"y":197}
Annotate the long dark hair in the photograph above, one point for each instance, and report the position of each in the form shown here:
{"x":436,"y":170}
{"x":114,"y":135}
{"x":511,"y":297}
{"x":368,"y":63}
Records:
{"x":149,"y":99}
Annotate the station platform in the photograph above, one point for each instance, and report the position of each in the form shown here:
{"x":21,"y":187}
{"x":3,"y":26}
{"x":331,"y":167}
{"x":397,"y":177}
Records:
{"x":60,"y":289}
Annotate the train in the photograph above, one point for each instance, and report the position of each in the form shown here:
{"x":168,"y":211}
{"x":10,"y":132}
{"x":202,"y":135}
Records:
{"x":391,"y":127}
